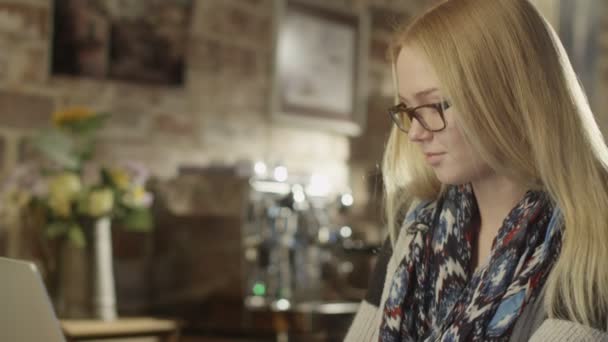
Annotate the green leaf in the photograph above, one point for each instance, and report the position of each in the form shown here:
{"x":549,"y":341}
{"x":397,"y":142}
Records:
{"x":76,"y":236}
{"x":84,"y":149}
{"x":57,"y":146}
{"x":88,"y":126}
{"x":138,"y":220}
{"x":57,"y":229}
{"x":106,"y":178}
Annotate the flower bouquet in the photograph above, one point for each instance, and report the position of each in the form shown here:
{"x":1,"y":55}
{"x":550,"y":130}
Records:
{"x":77,"y":190}
{"x":75,"y":199}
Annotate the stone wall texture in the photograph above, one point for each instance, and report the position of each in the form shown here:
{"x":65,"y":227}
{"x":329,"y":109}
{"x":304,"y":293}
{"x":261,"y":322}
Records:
{"x":221,"y":114}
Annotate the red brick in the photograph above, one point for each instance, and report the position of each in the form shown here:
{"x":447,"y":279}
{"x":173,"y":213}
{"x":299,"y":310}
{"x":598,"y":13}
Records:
{"x":257,"y":29}
{"x":177,"y":125}
{"x":36,"y":68}
{"x":25,"y":111}
{"x":33,"y":20}
{"x":126,"y":116}
{"x":231,"y":21}
{"x":216,"y":57}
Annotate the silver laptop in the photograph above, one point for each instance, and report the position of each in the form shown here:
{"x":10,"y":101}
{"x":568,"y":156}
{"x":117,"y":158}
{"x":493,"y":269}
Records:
{"x":26,"y":313}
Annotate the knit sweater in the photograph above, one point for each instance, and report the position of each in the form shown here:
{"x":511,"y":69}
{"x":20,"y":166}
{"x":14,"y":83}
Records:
{"x":532,"y":325}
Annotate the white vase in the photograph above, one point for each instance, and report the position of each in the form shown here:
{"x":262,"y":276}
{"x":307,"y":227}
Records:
{"x":103,"y":293}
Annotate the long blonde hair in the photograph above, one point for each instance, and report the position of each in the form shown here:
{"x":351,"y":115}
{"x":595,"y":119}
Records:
{"x":524,"y":113}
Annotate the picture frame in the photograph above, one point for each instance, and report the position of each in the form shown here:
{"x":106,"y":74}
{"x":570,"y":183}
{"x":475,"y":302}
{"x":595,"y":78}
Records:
{"x":139,"y":41}
{"x":320,"y":66}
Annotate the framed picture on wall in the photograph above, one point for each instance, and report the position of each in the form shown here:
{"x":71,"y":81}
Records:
{"x":320,"y":59}
{"x":137,"y":40}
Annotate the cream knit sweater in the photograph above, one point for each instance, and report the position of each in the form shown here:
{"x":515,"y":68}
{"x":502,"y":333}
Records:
{"x":532,"y":325}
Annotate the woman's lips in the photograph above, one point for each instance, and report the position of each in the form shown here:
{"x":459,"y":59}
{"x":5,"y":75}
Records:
{"x":434,"y":158}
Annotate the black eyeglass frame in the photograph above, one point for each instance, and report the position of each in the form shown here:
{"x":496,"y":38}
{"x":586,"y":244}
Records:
{"x":440,"y":107}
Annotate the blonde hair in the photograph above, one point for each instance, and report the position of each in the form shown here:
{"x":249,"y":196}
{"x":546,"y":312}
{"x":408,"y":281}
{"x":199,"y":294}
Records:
{"x":524,"y":113}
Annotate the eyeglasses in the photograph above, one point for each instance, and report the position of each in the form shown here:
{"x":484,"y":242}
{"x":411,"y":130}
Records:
{"x":430,"y":116}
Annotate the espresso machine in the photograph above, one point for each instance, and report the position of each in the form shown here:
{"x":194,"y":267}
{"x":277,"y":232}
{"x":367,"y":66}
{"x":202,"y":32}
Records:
{"x":289,"y":236}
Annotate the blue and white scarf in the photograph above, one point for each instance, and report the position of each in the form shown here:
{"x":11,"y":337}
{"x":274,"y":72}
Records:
{"x":436,"y":296}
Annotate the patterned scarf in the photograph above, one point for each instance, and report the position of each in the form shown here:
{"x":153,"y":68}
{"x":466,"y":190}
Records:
{"x":436,"y":296}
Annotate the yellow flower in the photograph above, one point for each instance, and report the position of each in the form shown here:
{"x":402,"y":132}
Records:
{"x":62,"y":117}
{"x":120,"y":177}
{"x":14,"y":200}
{"x":100,"y":202}
{"x":60,"y":205}
{"x":136,"y":197}
{"x":65,"y":185}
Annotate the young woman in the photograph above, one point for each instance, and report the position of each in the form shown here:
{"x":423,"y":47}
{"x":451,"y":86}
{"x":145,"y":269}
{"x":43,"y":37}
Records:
{"x":496,"y":178}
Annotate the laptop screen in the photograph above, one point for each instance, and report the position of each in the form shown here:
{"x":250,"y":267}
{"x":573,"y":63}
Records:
{"x":26,"y":313}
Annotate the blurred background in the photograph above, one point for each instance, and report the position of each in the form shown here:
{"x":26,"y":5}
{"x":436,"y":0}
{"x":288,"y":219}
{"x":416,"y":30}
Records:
{"x":220,"y":156}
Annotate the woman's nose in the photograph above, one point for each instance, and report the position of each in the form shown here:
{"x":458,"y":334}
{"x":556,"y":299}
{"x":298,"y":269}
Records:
{"x":417,"y":132}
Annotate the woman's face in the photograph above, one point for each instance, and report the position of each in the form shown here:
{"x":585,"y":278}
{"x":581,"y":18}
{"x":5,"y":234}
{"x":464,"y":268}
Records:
{"x":445,"y":151}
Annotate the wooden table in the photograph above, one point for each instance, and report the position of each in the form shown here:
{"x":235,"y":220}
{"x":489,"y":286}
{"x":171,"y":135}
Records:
{"x":83,"y":330}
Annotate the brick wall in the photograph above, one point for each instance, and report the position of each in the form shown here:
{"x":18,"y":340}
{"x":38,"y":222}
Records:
{"x":220,"y":116}
{"x":228,"y":76}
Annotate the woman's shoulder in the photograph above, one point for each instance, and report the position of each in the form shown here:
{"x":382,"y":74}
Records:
{"x":534,"y":325}
{"x":562,"y":330}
